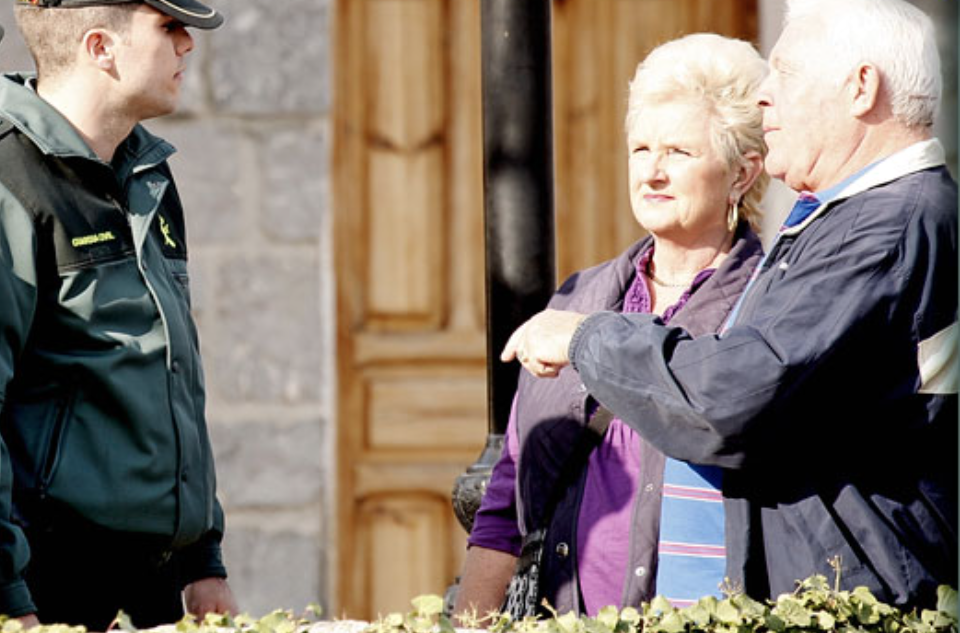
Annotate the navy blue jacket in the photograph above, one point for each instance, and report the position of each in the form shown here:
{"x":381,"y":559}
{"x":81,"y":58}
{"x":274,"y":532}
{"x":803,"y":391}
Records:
{"x":832,"y":403}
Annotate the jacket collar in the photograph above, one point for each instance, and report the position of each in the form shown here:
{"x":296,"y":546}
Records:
{"x":54,"y":135}
{"x":917,"y":157}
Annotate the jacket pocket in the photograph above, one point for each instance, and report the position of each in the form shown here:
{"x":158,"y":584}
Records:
{"x":179,"y":277}
{"x":54,"y":449}
{"x":183,"y":284}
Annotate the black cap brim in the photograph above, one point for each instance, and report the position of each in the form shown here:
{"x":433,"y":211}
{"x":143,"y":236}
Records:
{"x":190,"y":12}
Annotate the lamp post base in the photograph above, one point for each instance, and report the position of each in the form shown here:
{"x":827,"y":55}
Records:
{"x":470,"y":487}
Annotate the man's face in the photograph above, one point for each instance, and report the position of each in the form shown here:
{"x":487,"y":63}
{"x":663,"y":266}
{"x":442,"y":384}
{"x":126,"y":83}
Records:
{"x":805,"y":123}
{"x":151,"y":62}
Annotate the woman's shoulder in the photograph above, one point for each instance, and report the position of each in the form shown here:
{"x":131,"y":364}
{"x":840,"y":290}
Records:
{"x":602,"y":285}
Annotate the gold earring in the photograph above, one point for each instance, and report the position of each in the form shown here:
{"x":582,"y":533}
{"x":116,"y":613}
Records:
{"x":733,"y":216}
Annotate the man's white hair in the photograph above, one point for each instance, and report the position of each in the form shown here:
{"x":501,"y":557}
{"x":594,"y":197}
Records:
{"x":892,"y":35}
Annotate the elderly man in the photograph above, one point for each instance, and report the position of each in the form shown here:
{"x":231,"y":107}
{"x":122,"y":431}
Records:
{"x":830,"y":401}
{"x":107,"y":487}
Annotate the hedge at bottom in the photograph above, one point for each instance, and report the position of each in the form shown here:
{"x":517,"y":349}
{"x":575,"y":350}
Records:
{"x":813,"y":607}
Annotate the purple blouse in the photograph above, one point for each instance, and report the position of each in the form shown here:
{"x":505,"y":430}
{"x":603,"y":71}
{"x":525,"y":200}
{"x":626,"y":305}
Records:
{"x":603,"y":528}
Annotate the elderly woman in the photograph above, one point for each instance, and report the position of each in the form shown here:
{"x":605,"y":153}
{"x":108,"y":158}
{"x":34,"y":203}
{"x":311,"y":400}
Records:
{"x":617,"y":518}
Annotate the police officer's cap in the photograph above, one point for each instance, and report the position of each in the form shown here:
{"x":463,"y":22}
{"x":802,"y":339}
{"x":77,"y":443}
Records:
{"x":190,"y":12}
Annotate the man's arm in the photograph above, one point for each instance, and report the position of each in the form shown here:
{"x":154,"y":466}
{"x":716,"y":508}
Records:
{"x":18,"y":296}
{"x":204,"y":574}
{"x":707,"y":400}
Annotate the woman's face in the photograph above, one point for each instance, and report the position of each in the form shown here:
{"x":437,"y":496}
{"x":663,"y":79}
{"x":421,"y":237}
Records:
{"x":680,"y":187}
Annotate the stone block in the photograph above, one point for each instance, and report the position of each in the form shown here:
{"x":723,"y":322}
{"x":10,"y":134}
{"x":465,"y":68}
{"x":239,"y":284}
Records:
{"x":263,"y":464}
{"x":13,"y":52}
{"x":272,"y":570}
{"x":198,"y":267}
{"x":207,"y":170}
{"x":272,"y":58}
{"x":262,"y":338}
{"x":296,"y":184}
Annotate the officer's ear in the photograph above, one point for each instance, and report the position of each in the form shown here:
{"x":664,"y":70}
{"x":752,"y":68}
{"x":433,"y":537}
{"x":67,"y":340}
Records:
{"x":99,"y":49}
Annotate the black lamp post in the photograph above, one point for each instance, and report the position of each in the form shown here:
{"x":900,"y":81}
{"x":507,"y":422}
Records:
{"x":518,"y":204}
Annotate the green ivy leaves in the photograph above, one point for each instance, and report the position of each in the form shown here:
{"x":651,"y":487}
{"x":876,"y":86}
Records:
{"x":813,"y":607}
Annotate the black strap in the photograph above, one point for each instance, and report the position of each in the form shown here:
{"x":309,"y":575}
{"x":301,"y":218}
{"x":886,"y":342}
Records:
{"x":599,"y":421}
{"x":590,"y":438}
{"x":523,"y":592}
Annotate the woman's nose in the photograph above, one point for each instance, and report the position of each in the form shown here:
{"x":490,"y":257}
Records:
{"x":651,"y":167}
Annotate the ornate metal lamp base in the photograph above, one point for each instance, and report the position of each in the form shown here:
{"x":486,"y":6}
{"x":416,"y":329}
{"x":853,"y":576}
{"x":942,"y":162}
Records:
{"x":470,"y":487}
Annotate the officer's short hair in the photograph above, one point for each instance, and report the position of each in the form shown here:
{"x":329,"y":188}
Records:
{"x":52,"y":35}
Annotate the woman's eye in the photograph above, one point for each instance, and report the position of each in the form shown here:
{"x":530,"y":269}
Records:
{"x":678,"y":151}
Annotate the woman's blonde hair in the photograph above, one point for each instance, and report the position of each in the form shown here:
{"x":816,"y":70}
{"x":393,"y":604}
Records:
{"x":723,"y":74}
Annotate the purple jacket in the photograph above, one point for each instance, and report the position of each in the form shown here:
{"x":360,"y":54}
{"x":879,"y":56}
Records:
{"x":551,"y":415}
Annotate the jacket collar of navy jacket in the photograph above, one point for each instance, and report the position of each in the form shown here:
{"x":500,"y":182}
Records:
{"x":917,"y":157}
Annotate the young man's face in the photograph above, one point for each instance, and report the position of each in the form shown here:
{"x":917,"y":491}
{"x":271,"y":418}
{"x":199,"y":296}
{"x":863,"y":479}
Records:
{"x":151,"y":61}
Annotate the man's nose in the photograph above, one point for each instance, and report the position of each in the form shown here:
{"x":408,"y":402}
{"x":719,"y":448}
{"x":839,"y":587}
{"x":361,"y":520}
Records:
{"x":763,"y":94}
{"x":186,"y":41}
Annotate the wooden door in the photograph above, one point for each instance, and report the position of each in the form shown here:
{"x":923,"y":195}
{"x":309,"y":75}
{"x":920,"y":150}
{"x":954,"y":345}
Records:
{"x":409,"y":254}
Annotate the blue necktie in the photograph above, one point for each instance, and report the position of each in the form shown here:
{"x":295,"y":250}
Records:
{"x":806,"y":204}
{"x":692,"y":552}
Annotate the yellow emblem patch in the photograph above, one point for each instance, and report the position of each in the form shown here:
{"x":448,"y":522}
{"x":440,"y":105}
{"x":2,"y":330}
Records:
{"x":90,"y":240}
{"x":165,"y":229}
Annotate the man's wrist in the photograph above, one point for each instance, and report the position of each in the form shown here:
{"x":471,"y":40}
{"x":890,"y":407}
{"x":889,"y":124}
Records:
{"x":577,"y":337}
{"x":15,"y":599}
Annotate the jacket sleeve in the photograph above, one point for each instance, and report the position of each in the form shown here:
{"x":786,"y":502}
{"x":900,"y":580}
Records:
{"x":18,"y":295}
{"x":204,"y":558}
{"x":832,"y":326}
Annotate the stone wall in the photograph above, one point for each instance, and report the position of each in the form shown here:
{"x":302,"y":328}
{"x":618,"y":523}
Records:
{"x":253,"y":168}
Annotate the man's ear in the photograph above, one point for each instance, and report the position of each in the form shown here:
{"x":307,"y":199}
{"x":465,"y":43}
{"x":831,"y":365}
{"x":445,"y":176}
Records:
{"x":864,"y":89}
{"x":98,"y":47}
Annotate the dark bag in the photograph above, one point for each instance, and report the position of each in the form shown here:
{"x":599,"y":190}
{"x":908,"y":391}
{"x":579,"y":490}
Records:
{"x":523,"y":592}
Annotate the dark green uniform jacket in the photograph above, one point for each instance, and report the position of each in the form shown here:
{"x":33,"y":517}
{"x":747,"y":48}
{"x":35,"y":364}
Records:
{"x":101,"y":388}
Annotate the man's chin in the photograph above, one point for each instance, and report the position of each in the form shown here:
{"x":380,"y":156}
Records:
{"x":774,"y":169}
{"x":161,"y":110}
